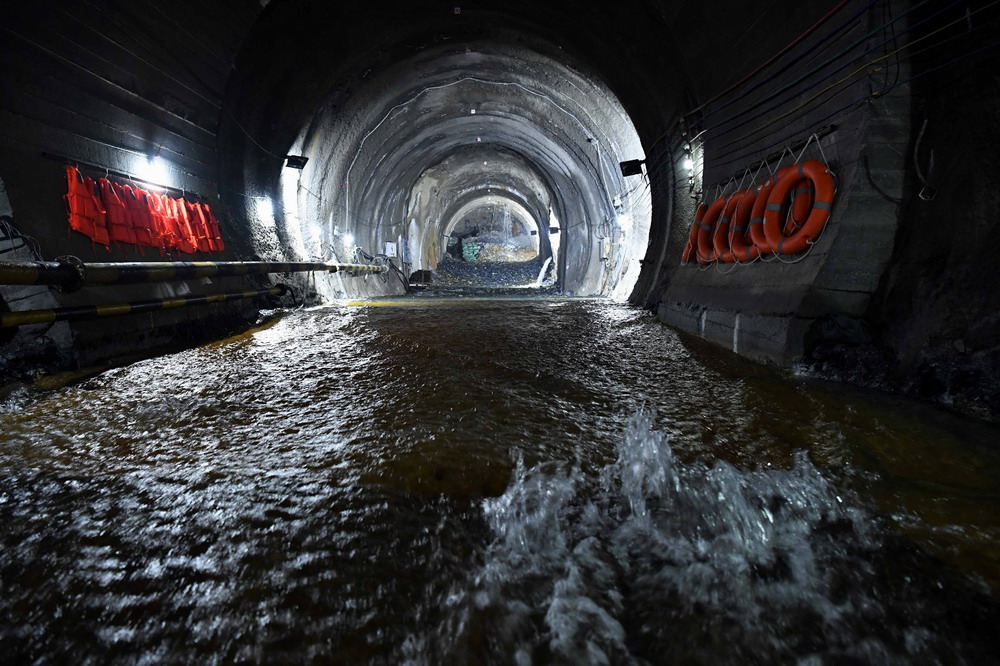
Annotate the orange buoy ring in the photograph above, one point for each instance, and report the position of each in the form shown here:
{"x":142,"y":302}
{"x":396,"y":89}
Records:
{"x":757,"y":214}
{"x":720,"y":237}
{"x":693,"y":235}
{"x":704,"y":252}
{"x":741,"y":247}
{"x":823,"y":183}
{"x":802,"y":200}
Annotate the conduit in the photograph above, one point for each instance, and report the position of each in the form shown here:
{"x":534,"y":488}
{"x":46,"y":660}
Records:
{"x":71,"y":273}
{"x":77,"y":313}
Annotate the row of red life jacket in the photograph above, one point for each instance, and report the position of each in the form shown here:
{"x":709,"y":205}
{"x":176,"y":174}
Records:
{"x":106,"y":211}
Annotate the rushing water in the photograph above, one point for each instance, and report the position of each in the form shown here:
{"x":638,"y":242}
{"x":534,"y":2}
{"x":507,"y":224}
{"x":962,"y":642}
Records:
{"x":498,"y":482}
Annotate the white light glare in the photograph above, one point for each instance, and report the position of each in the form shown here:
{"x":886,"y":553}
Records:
{"x":265,"y":209}
{"x":688,"y":163}
{"x":348,"y":241}
{"x":153,"y":169}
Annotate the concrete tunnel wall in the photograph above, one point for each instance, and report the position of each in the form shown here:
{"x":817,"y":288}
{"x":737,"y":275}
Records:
{"x":892,"y":295}
{"x":369,"y":153}
{"x":106,"y":86}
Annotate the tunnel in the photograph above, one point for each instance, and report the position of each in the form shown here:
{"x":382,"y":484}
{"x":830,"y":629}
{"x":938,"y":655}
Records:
{"x":492,"y":332}
{"x":396,"y":154}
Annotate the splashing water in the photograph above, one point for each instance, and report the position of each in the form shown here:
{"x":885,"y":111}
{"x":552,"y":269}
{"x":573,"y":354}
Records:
{"x":657,"y":561}
{"x":541,"y":273}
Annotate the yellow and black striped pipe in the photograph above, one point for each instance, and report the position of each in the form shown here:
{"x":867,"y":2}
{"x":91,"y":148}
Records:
{"x":27,"y":317}
{"x":71,"y":273}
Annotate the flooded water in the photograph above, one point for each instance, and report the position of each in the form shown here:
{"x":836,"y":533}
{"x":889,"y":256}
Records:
{"x":490,"y":482}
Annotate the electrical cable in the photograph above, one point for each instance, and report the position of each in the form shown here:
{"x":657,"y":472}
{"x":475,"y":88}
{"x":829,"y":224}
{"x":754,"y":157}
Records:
{"x":887,"y":12}
{"x":775,"y":57}
{"x":833,"y":59}
{"x":813,"y":48}
{"x":795,"y":94}
{"x":854,"y":73}
{"x":872,"y":93}
{"x":11,"y":232}
{"x":862,"y":100}
{"x":869,"y":95}
{"x":786,"y":87}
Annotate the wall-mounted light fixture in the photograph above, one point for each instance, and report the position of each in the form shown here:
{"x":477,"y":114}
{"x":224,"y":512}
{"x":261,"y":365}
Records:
{"x":631,"y":168}
{"x":687,"y":163}
{"x":295,"y":161}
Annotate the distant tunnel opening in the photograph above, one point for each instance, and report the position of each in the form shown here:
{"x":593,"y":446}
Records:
{"x":484,"y":152}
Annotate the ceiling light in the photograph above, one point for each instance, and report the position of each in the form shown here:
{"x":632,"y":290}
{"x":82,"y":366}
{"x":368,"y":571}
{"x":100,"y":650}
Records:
{"x":295,"y":161}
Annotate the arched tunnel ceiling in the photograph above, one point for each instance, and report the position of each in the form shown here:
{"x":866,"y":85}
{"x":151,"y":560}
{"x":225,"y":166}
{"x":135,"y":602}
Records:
{"x":371,"y":150}
{"x":315,"y":73}
{"x":477,"y":173}
{"x":370,"y":156}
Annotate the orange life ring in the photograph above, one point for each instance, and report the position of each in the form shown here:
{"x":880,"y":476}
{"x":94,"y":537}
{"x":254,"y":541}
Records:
{"x":813,"y":226}
{"x":741,"y":247}
{"x":757,"y":215}
{"x":802,"y":200}
{"x":720,"y":237}
{"x":693,"y":234}
{"x":704,"y":252}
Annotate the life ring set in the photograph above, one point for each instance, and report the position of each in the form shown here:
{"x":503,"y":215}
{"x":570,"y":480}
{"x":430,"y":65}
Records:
{"x":783,"y":215}
{"x":105,"y":211}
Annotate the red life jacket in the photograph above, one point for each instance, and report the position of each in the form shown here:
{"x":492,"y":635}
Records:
{"x":83,"y":208}
{"x":118,"y":220}
{"x":188,"y":241}
{"x":215,"y":234}
{"x":164,"y":219}
{"x":138,"y":216}
{"x":199,"y":224}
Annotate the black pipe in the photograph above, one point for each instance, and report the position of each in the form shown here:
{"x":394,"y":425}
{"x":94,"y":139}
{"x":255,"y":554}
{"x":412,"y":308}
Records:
{"x":28,"y":317}
{"x":71,"y":273}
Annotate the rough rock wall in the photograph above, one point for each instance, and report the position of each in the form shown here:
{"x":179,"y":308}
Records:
{"x":901,"y":291}
{"x":936,"y":316}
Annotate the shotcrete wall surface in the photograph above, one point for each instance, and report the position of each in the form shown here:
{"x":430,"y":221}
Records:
{"x":772,"y":309}
{"x":489,"y":117}
{"x":122,"y":93}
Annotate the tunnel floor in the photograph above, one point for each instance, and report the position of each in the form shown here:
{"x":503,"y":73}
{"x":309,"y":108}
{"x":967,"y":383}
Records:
{"x":490,"y":481}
